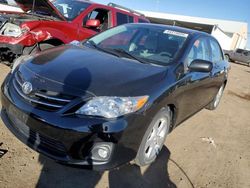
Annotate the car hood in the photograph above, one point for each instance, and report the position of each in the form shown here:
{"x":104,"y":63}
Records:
{"x":97,"y":72}
{"x":45,"y":7}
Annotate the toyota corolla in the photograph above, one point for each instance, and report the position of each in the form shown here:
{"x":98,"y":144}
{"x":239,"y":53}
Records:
{"x":115,"y":97}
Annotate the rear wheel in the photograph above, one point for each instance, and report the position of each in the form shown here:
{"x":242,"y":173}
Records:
{"x":215,"y":103}
{"x":154,"y":138}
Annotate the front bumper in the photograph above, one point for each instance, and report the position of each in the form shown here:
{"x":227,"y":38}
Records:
{"x":9,"y":51}
{"x":16,"y":49}
{"x":69,"y":140}
{"x":11,"y":47}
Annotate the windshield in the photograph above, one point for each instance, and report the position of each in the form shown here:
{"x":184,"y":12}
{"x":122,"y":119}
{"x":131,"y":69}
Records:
{"x":157,"y":45}
{"x":70,"y":9}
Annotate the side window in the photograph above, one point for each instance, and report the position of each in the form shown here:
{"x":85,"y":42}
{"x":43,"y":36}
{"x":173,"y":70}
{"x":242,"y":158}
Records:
{"x":247,"y":53}
{"x":3,"y":2}
{"x":98,"y":14}
{"x":123,"y":18}
{"x":199,"y":50}
{"x":239,"y":50}
{"x":142,"y":21}
{"x":216,"y":51}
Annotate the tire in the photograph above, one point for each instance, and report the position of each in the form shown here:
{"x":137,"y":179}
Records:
{"x":154,"y":138}
{"x":216,"y":101}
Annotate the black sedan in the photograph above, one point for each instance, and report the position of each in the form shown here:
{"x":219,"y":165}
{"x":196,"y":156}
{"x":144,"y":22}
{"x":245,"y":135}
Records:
{"x":114,"y":98}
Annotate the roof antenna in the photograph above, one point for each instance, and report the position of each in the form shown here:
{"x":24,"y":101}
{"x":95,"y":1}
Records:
{"x":33,"y":6}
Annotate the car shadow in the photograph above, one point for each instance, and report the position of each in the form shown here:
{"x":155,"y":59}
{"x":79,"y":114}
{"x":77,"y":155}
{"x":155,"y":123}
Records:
{"x":156,"y":175}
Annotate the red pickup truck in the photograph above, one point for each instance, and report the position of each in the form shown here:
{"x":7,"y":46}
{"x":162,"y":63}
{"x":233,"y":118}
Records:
{"x":45,"y":24}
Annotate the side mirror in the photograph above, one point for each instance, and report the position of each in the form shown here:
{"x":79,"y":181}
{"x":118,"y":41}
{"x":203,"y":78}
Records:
{"x":93,"y":23}
{"x":199,"y":65}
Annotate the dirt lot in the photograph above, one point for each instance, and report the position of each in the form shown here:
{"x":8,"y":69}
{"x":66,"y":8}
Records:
{"x":186,"y":161}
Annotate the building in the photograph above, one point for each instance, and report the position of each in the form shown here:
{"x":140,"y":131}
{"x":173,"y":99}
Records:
{"x":230,"y":34}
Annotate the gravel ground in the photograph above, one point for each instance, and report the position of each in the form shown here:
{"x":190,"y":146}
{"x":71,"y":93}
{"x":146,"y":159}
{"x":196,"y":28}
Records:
{"x":189,"y":158}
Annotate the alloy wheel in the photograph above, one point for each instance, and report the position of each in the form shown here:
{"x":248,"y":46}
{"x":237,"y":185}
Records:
{"x":218,"y":96}
{"x":155,"y":139}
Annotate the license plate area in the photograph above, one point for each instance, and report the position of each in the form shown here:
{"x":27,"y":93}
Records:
{"x":18,"y":120}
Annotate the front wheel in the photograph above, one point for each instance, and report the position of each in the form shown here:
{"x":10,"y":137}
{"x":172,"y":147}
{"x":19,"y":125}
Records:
{"x":215,"y":103}
{"x":154,"y":138}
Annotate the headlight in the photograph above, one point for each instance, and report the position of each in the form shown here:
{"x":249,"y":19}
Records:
{"x":112,"y":107}
{"x":75,"y":43}
{"x":11,"y":30}
{"x":20,"y":60}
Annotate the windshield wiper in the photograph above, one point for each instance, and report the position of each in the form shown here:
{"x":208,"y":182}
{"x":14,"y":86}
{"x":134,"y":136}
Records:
{"x":119,"y":50}
{"x":116,"y":52}
{"x":93,"y":44}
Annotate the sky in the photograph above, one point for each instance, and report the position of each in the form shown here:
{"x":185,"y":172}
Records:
{"x":217,"y":9}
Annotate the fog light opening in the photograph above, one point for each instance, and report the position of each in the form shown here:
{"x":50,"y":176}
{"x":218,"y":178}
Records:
{"x":101,"y":152}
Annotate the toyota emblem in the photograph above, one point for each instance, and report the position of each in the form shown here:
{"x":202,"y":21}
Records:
{"x":27,"y":88}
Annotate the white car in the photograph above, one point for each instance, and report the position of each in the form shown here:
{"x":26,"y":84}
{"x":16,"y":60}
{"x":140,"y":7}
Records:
{"x":5,"y":7}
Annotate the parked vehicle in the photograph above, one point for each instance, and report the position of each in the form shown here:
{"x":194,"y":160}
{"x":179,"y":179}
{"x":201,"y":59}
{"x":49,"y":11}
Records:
{"x":3,"y":2}
{"x":52,"y":23}
{"x":239,"y":55}
{"x":114,"y":98}
{"x":5,"y":6}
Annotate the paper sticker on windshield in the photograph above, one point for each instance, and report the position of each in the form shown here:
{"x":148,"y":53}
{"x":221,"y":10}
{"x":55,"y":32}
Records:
{"x":176,"y":33}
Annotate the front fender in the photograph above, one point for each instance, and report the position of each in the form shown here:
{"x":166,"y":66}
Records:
{"x":48,"y":33}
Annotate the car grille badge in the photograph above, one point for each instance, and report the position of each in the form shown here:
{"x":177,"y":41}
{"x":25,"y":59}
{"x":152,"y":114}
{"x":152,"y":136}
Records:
{"x":27,"y":88}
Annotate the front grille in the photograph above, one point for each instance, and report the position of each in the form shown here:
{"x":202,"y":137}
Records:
{"x":36,"y":139}
{"x":47,"y":100}
{"x":47,"y":142}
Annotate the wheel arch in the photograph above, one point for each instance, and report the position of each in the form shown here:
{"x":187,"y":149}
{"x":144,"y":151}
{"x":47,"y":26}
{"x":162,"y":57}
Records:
{"x":173,"y":112}
{"x":53,"y":41}
{"x":225,"y":82}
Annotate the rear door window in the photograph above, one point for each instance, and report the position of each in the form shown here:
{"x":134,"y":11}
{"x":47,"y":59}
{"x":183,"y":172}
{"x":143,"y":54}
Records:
{"x":123,"y":18}
{"x":142,"y":21}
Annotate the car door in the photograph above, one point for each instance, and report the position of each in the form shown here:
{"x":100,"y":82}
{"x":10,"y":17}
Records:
{"x":219,"y":71}
{"x":246,"y":56}
{"x":237,"y":56}
{"x":196,"y":92}
{"x":102,"y":14}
